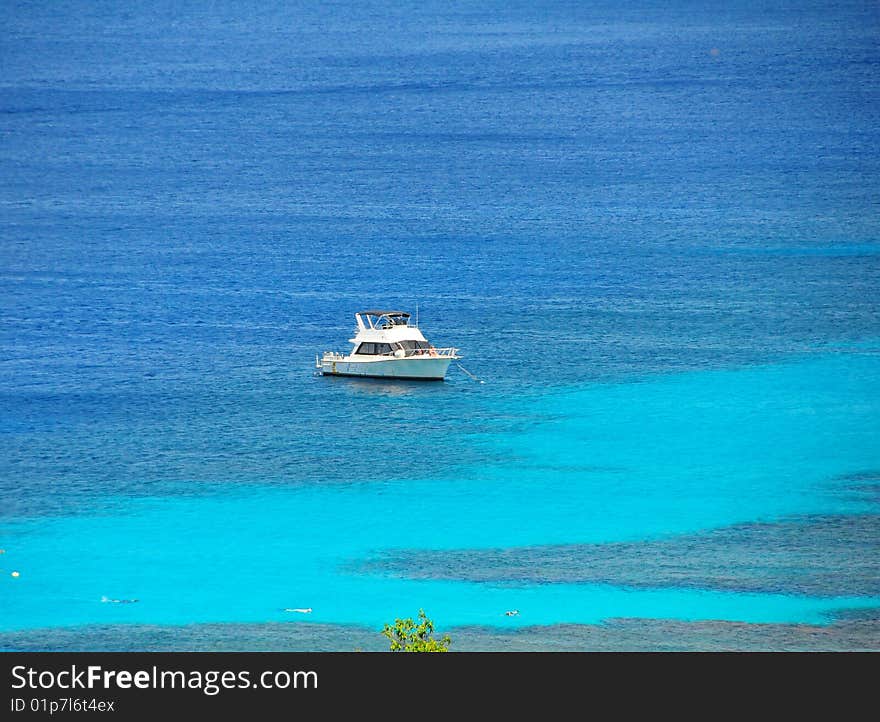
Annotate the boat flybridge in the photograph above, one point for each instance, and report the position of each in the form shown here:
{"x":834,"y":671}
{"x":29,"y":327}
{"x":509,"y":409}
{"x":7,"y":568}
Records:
{"x":387,"y":345}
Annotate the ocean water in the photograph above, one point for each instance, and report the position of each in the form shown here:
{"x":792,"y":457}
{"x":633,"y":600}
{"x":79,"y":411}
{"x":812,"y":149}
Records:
{"x":652,"y":230}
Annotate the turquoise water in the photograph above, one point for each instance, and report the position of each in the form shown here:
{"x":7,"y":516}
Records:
{"x":606,"y":462}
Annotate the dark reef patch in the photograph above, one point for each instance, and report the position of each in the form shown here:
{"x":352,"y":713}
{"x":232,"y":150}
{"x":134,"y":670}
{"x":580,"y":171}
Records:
{"x":822,"y":556}
{"x":865,"y":485}
{"x":844,"y":634}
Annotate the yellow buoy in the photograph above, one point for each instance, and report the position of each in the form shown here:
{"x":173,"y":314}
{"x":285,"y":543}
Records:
{"x":15,"y":574}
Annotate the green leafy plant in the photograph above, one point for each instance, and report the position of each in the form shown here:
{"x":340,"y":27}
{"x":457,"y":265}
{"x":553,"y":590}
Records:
{"x":408,"y":636}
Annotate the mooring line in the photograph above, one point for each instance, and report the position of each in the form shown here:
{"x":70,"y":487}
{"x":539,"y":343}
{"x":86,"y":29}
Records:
{"x":469,"y":373}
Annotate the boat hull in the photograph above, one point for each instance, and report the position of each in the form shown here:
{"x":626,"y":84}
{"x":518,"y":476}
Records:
{"x":415,"y":369}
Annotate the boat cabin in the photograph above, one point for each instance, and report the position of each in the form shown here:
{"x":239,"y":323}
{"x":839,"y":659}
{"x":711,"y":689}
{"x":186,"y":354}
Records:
{"x":388,"y":333}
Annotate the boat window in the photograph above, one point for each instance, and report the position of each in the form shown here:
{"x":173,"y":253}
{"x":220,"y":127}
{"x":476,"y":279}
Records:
{"x":373,"y":349}
{"x":414,"y":345}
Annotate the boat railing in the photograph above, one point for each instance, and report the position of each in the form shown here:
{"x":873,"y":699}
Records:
{"x":332,"y":356}
{"x":447,"y":352}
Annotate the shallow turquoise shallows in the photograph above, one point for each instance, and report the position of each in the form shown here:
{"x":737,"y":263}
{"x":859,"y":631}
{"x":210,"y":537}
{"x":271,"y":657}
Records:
{"x":616,"y":461}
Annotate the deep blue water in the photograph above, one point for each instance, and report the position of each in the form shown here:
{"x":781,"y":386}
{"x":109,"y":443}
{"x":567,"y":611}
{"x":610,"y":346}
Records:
{"x":653,"y":230}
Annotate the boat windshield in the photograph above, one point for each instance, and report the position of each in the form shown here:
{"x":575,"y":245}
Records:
{"x":383,"y":319}
{"x":389,"y":321}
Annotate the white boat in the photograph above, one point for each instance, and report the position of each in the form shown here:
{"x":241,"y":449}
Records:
{"x":388,"y":346}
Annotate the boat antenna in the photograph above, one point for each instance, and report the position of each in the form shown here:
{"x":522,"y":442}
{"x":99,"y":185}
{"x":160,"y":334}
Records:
{"x":417,"y":315}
